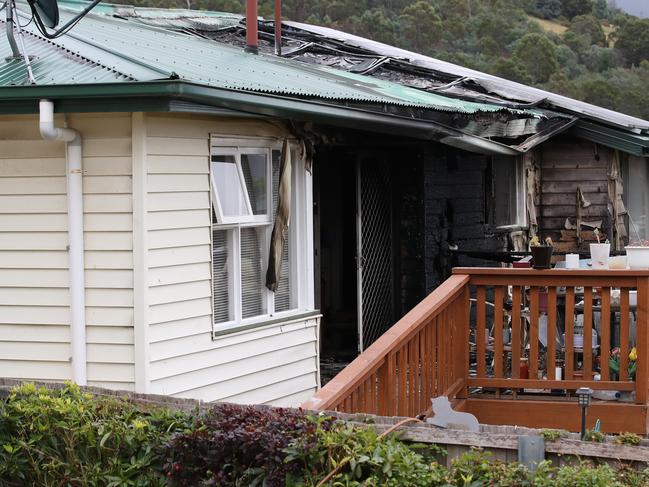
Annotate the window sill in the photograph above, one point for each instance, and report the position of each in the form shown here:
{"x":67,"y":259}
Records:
{"x":266,"y":321}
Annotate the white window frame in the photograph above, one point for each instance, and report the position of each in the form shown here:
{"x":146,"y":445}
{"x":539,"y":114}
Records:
{"x":300,"y":243}
{"x":521,"y":195}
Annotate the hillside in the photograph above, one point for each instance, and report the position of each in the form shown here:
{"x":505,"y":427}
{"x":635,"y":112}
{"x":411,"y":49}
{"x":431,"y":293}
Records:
{"x":578,"y":48}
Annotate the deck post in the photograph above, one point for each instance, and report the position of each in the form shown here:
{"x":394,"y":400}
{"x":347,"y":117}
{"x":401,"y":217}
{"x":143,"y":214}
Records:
{"x":642,"y":342}
{"x":465,"y":326}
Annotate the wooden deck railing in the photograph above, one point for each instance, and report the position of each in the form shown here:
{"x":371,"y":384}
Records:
{"x":559,"y":295}
{"x":427,"y":353}
{"x":422,"y":356}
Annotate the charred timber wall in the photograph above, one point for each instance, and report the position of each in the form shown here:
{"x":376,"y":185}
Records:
{"x":454,"y":212}
{"x":569,"y":164}
{"x":408,"y":193}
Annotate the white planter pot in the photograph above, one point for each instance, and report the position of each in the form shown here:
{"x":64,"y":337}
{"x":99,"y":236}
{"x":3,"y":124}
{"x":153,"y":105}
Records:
{"x":599,"y":253}
{"x":637,"y":257}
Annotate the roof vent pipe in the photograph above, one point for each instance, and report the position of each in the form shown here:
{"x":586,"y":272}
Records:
{"x":278,"y":27}
{"x":75,"y":236}
{"x":251,"y":27}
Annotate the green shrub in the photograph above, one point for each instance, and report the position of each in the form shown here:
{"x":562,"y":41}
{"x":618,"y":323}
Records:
{"x":365,"y":459}
{"x":628,"y":439}
{"x":553,"y":435}
{"x":594,"y":436}
{"x":66,"y":437}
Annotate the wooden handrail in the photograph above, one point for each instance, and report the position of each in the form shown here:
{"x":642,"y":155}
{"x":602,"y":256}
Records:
{"x":549,"y":281}
{"x":398,"y":336}
{"x":426,"y":353}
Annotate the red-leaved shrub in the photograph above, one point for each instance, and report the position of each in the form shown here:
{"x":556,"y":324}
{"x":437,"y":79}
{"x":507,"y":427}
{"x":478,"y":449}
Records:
{"x":239,"y":445}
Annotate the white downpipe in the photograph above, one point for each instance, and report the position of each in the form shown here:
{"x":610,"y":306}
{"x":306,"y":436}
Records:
{"x":75,"y":235}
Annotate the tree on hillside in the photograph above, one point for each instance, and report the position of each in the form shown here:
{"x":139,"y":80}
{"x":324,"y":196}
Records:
{"x":538,"y":55}
{"x":589,"y":27}
{"x":572,"y":8}
{"x":511,"y":69}
{"x":600,"y":9}
{"x":549,"y":9}
{"x":377,"y":25}
{"x":633,"y":40}
{"x":420,"y":26}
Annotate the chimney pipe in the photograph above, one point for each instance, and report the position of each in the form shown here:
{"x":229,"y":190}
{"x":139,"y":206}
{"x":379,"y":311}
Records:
{"x":278,"y":27}
{"x":251,"y":27}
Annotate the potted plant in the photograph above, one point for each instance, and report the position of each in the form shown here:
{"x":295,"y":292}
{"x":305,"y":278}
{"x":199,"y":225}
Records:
{"x":541,"y":253}
{"x":599,"y":252}
{"x":637,"y":252}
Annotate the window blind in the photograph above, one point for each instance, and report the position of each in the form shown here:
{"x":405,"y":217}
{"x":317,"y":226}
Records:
{"x":251,"y":271}
{"x":220,"y":276}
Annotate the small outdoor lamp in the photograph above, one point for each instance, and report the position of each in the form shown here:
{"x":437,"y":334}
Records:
{"x":583,"y":399}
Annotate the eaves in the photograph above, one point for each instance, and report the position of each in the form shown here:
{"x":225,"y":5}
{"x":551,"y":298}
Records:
{"x":155,"y":95}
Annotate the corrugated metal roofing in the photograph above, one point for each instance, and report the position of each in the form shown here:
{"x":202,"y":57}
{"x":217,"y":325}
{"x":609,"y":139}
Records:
{"x":102,"y":48}
{"x":499,"y":86}
{"x":52,"y":65}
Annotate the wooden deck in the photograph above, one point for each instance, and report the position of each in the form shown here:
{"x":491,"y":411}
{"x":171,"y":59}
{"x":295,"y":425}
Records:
{"x":435,"y":350}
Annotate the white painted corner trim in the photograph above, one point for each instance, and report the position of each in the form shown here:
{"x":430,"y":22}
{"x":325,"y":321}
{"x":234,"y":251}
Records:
{"x":140,"y":256}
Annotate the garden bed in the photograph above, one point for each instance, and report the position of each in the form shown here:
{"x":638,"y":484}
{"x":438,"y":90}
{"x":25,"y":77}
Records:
{"x":61,"y":435}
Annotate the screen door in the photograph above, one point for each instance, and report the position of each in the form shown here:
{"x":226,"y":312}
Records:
{"x":374,"y":257}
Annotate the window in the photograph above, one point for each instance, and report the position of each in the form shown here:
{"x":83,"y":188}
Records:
{"x":636,"y":186}
{"x":245,"y":179}
{"x":506,"y":199}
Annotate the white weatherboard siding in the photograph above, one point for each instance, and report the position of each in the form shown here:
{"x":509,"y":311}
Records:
{"x":275,"y":363}
{"x":34,"y":296}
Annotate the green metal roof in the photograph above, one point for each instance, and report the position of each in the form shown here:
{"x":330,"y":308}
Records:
{"x":637,"y":145}
{"x":102,"y":48}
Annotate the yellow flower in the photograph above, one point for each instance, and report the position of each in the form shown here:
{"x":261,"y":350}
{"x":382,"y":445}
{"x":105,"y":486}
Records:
{"x":633,"y":354}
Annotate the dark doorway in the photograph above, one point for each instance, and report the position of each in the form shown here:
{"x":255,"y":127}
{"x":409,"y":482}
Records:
{"x":369,"y":256}
{"x":336,"y":252}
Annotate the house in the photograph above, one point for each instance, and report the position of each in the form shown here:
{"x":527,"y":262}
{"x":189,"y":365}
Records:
{"x":144,"y":264}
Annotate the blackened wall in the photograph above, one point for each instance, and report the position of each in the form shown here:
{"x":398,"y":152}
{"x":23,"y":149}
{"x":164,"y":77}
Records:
{"x":408,"y":207}
{"x":454,"y":212}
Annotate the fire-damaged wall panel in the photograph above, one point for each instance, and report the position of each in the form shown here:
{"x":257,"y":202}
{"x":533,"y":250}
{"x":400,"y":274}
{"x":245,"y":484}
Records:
{"x":455,"y":184}
{"x":574,"y":192}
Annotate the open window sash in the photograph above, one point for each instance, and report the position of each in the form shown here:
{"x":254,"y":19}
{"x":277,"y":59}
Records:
{"x":231,"y":193}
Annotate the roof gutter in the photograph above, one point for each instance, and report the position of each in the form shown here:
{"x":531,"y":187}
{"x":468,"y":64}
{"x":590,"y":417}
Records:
{"x":260,"y":104}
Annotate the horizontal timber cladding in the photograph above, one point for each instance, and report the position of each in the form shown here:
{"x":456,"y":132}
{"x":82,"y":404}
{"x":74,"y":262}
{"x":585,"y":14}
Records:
{"x":271,"y":364}
{"x":568,"y":165}
{"x":34,"y":296}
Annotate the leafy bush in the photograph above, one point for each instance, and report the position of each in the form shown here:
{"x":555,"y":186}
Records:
{"x":236,"y":446}
{"x":359,"y":457}
{"x":628,"y":439}
{"x":69,"y":438}
{"x":66,"y":437}
{"x":594,"y":436}
{"x":553,"y":435}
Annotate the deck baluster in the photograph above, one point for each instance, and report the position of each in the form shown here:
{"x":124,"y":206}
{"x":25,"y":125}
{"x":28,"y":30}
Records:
{"x":588,"y":334}
{"x":569,"y":347}
{"x":480,"y":331}
{"x":642,"y":341}
{"x":552,"y":334}
{"x":605,"y":328}
{"x":624,"y":334}
{"x":516,"y":331}
{"x":534,"y":332}
{"x":499,"y":293}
